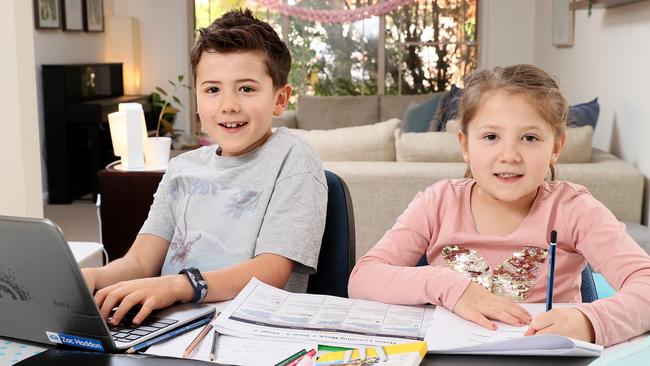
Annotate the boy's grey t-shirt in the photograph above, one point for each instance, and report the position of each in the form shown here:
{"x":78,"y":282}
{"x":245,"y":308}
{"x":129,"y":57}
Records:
{"x":219,"y":211}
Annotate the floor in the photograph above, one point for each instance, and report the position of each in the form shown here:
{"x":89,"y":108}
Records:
{"x":78,"y":220}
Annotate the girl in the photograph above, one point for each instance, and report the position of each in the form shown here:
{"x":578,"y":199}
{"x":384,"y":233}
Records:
{"x":486,"y":237}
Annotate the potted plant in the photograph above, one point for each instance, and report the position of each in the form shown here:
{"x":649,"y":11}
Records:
{"x":158,"y":147}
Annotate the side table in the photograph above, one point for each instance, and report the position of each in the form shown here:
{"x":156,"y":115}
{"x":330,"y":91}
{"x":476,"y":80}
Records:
{"x":126,"y":197}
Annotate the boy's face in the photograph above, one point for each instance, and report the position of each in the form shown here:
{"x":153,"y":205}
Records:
{"x":236,"y":100}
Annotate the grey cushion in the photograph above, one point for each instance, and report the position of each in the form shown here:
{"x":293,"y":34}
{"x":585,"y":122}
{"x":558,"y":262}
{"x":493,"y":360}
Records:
{"x":394,"y":106}
{"x":417,"y":117}
{"x":286,"y":119}
{"x":326,"y":113}
{"x":584,"y":114}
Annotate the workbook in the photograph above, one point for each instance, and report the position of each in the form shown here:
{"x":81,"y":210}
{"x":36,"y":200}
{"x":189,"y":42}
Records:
{"x":451,"y":334}
{"x":264,"y":311}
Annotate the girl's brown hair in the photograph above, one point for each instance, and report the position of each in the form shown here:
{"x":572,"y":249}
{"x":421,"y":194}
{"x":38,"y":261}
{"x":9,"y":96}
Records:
{"x":530,"y":81}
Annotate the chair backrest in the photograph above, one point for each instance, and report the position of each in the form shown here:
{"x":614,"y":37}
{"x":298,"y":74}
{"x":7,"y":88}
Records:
{"x":337,"y":252}
{"x":588,"y":286}
{"x":587,"y":289}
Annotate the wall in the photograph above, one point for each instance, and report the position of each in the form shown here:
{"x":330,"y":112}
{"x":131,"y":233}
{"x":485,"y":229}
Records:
{"x":20,"y":193}
{"x":164,"y":27}
{"x":506,"y":30}
{"x":609,"y":60}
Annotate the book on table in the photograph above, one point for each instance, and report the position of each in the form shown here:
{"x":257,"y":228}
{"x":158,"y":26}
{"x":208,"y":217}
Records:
{"x":451,"y":334}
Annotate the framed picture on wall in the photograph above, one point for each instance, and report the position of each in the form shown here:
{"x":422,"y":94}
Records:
{"x":72,"y":15}
{"x":47,"y":14}
{"x":93,"y":15}
{"x":562,"y":17}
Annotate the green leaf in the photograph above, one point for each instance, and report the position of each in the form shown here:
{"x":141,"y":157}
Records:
{"x":177,"y":100}
{"x":181,"y":77}
{"x":159,"y":104}
{"x":171,"y":82}
{"x":155,"y":98}
{"x":161,"y":90}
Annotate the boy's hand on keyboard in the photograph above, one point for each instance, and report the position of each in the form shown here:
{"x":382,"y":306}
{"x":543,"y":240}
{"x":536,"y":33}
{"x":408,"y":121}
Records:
{"x":569,"y":322}
{"x":89,"y":276}
{"x":478,"y":305}
{"x":149,"y":293}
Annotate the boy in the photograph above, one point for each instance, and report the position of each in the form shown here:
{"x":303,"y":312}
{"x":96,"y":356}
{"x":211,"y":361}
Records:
{"x":253,"y":206}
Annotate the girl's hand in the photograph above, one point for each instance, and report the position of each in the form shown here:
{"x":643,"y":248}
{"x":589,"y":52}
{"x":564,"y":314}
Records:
{"x":478,"y":304}
{"x":568,"y":322}
{"x":150,"y":293}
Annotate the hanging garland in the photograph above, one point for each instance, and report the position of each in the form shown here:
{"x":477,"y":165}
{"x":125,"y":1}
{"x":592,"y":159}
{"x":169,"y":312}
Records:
{"x":332,"y":16}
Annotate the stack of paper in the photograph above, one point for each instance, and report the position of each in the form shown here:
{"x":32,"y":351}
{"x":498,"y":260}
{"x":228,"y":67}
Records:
{"x":449,"y":333}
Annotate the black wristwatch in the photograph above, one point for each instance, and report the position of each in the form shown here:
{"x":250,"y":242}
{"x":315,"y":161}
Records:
{"x":199,"y":285}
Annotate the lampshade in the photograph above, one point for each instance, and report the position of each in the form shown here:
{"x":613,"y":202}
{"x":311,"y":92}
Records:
{"x":128,"y":135}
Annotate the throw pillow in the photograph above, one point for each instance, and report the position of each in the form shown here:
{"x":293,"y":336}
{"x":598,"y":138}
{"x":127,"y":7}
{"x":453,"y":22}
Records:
{"x":374,"y":142}
{"x":584,"y":114}
{"x":434,"y":146}
{"x":448,"y":109}
{"x":417,"y":117}
{"x":578,"y":145}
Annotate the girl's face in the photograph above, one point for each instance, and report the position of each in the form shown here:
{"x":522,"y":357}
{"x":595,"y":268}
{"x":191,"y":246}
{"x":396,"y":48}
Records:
{"x":509,"y":147}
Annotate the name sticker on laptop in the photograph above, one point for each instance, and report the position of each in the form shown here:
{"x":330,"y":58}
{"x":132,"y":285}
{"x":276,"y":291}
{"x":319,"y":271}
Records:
{"x":75,"y":341}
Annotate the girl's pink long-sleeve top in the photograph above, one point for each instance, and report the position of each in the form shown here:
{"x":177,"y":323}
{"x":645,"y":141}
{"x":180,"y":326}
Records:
{"x":438,"y":223}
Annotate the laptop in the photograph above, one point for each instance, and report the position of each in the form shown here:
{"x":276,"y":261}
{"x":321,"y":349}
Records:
{"x":44,"y":298}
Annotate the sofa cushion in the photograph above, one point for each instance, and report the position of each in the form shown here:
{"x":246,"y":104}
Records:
{"x":584,"y":114}
{"x":417,"y":117}
{"x":374,"y":142}
{"x":578,"y":145}
{"x":435,"y":146}
{"x":286,"y":119}
{"x":326,"y":113}
{"x":394,"y":106}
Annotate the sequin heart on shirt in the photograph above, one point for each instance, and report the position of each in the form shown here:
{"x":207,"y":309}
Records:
{"x":512,"y":279}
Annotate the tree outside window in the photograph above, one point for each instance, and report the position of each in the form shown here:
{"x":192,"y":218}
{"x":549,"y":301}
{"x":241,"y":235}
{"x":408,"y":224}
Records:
{"x":427,"y":46}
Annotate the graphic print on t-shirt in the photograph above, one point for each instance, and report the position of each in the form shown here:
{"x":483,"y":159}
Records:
{"x":197,"y":203}
{"x":513,"y":278}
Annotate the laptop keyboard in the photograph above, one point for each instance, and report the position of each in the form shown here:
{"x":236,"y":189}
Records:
{"x":128,"y":332}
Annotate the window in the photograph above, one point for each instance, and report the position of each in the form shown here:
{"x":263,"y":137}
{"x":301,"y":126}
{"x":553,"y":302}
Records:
{"x":422,"y":47}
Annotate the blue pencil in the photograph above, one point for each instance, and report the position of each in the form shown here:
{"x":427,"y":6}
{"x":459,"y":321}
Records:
{"x":170,"y":334}
{"x":551,"y":271}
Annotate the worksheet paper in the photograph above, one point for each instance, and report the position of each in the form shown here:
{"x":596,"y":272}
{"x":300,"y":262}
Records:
{"x":230,"y":350}
{"x":450,"y":333}
{"x":264,"y":311}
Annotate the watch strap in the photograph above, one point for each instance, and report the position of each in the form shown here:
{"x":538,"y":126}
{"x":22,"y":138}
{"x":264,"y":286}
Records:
{"x":199,"y":284}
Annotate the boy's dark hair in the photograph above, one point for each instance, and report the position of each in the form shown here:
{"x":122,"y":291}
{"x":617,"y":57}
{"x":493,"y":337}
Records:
{"x":238,"y":31}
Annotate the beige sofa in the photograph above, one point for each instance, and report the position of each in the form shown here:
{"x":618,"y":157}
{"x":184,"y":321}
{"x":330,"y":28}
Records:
{"x":384,"y":168}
